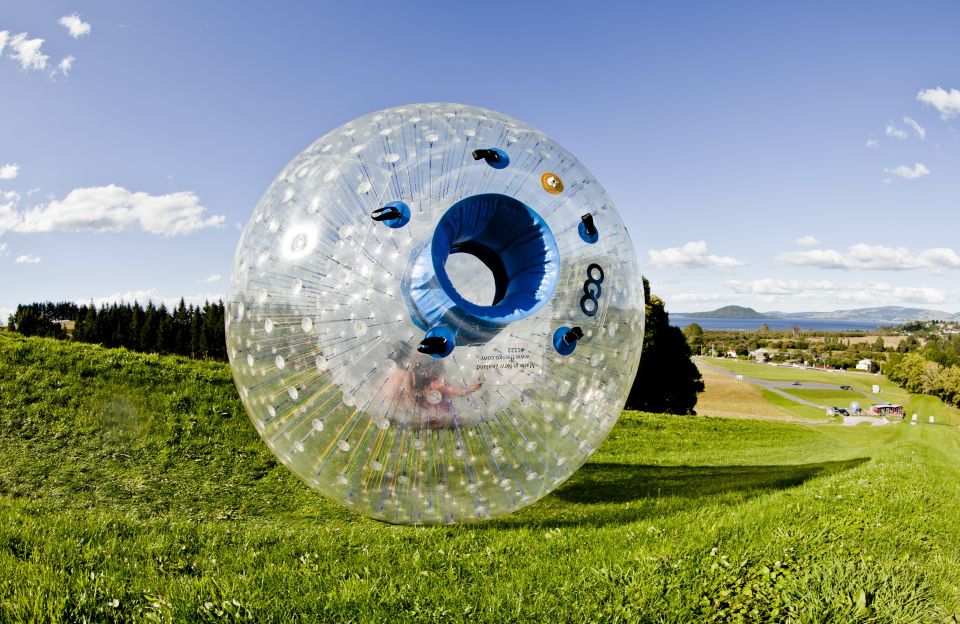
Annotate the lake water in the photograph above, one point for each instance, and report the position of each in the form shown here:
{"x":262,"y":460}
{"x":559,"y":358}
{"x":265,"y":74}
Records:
{"x":777,"y":323}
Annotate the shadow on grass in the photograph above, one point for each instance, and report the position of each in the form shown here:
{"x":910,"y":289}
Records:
{"x":609,"y":493}
{"x":620,"y":483}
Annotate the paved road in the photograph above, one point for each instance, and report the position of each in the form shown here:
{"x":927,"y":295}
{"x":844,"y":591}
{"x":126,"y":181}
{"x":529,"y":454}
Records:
{"x":778,"y":387}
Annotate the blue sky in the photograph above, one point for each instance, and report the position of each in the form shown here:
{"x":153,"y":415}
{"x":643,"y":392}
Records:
{"x":785,"y":157}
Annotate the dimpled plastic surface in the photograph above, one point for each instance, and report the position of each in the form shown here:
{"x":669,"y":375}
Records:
{"x":323,"y":341}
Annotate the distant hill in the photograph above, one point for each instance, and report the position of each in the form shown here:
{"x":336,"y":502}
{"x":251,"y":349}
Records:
{"x":881,"y":314}
{"x":730,"y":311}
{"x":887,"y":314}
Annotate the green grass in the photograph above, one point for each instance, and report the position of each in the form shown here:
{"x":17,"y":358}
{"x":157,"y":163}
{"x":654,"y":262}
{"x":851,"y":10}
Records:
{"x":132,"y":488}
{"x":861,"y":381}
{"x":925,"y":406}
{"x":839,"y":398}
{"x":807,"y":412}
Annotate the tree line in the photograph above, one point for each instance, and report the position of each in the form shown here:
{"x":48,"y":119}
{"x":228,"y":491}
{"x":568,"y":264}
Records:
{"x":834,"y":349}
{"x":192,"y":331}
{"x":667,"y":380}
{"x":933,"y":368}
{"x":917,"y":374}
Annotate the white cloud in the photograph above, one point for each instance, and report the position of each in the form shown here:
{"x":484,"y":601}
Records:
{"x":809,"y":240}
{"x":920,"y":130}
{"x":698,"y":298}
{"x":29,"y":52}
{"x":150,"y":294}
{"x":907,"y":173}
{"x":821,"y":258}
{"x":75,"y":25}
{"x":142,"y":296}
{"x":946,"y":102}
{"x":873,"y":143}
{"x":3,"y":249}
{"x":864,"y":293}
{"x":774,"y":286}
{"x":27,"y":259}
{"x":692,"y":255}
{"x":882,"y":258}
{"x":25,"y":51}
{"x":914,"y":294}
{"x":943,"y":257}
{"x":894,"y":132}
{"x":9,"y":171}
{"x":8,"y":213}
{"x":66,"y":64}
{"x":114,"y":209}
{"x":212,"y":278}
{"x":873,"y":257}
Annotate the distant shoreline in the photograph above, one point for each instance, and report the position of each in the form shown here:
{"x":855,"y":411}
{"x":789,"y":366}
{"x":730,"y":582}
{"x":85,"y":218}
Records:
{"x":681,"y":321}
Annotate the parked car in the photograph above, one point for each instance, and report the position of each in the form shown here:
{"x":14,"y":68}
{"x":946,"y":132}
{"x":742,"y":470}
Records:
{"x":796,"y":383}
{"x":841,"y":411}
{"x":846,"y":387}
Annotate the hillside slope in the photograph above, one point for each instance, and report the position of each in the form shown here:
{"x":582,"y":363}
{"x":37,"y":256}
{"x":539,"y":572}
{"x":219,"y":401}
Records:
{"x":132,"y":488}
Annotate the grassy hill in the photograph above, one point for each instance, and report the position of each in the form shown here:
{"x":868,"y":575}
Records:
{"x":132,"y":488}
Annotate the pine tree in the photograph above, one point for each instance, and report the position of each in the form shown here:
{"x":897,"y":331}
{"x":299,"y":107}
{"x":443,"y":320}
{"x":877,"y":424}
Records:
{"x":148,"y":332}
{"x":164,"y":329}
{"x":137,"y":316}
{"x":197,"y":349}
{"x":181,"y":330}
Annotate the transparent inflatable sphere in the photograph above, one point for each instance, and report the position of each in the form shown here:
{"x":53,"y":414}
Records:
{"x":435,"y":314}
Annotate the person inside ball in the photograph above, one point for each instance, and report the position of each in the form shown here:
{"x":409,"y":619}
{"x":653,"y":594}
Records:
{"x":421,"y":394}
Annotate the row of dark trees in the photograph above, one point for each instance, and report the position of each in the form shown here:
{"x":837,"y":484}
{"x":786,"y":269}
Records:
{"x":193,"y":331}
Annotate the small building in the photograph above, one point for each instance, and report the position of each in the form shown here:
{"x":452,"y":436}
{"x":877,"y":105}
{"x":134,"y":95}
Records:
{"x":864,"y":364}
{"x":888,"y":410}
{"x":760,"y":356}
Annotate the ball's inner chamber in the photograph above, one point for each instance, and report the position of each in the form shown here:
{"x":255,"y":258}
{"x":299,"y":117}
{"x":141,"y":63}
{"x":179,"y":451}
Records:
{"x":511,"y":240}
{"x":471,"y":277}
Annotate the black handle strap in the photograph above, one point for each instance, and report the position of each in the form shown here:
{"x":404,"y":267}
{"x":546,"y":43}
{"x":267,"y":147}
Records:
{"x":385,"y":214}
{"x":573,"y":335}
{"x":489,"y":155}
{"x":589,"y":228}
{"x":433,"y":345}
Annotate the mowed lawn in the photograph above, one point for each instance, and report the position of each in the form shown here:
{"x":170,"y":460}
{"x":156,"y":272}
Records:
{"x":788,"y":374}
{"x":924,"y":406}
{"x":839,"y":398}
{"x":133,"y":488}
{"x":804,"y":413}
{"x":726,"y":397}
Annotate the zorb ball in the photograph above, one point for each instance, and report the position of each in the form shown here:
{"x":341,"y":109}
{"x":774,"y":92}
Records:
{"x":435,"y":314}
